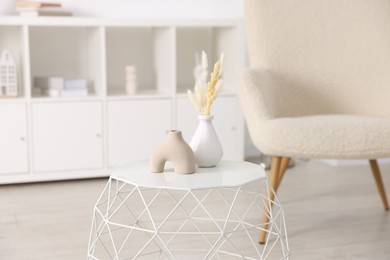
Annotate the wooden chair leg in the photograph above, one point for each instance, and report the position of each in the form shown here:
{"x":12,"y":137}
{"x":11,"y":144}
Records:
{"x":273,"y":182}
{"x":282,"y":170}
{"x":379,"y":183}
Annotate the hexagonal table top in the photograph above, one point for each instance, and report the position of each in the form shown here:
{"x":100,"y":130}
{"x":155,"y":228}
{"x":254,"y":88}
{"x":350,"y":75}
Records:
{"x":225,"y":174}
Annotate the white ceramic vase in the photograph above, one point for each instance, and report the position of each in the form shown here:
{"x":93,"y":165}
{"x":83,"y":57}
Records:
{"x":205,"y":143}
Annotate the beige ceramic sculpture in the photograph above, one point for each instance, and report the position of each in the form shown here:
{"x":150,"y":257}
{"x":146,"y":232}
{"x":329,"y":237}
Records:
{"x":175,"y":150}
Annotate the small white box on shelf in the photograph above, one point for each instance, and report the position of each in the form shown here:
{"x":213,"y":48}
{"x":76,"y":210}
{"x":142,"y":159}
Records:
{"x":49,"y":82}
{"x":48,"y":86}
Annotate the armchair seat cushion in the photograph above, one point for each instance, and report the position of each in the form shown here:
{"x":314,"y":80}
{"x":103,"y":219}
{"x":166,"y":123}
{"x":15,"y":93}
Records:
{"x":325,"y":136}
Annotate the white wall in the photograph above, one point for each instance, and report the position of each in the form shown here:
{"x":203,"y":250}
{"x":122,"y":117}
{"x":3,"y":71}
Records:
{"x":148,"y":9}
{"x":144,"y":8}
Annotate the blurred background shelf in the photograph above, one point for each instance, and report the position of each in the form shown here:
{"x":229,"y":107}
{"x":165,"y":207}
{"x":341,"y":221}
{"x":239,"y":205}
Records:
{"x":109,"y":127}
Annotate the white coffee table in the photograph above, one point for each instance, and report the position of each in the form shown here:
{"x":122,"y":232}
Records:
{"x":214,"y":213}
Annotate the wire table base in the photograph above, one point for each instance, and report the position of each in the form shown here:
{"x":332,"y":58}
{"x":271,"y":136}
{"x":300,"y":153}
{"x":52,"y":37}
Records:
{"x":136,"y":222}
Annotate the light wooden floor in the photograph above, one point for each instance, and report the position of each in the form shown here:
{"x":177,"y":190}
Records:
{"x":332,"y":213}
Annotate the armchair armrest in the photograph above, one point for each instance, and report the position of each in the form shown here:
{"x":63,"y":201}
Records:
{"x":256,"y":94}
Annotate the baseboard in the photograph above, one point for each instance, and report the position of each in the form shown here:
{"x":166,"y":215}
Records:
{"x":340,"y":163}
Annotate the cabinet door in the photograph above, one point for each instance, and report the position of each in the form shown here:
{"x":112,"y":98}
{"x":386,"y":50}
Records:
{"x":225,"y":112}
{"x":136,"y":128}
{"x":67,"y":136}
{"x":13,"y":144}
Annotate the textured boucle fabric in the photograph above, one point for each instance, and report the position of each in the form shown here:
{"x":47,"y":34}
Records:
{"x":329,"y":56}
{"x":326,"y":136}
{"x":338,"y":136}
{"x":319,"y":82}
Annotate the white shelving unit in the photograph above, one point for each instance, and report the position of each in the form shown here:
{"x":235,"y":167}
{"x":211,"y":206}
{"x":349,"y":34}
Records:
{"x":51,"y":138}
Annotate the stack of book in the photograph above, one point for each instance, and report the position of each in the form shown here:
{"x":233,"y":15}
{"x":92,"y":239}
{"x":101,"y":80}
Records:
{"x":60,"y":87}
{"x":30,"y":8}
{"x":75,"y":88}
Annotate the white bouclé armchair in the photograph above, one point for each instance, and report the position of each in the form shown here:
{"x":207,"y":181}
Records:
{"x":319,"y":81}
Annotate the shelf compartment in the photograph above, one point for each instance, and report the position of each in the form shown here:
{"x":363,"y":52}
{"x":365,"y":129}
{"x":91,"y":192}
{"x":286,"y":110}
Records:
{"x":190,"y":41}
{"x":11,"y":38}
{"x":130,"y":120}
{"x":149,"y":49}
{"x":68,"y":52}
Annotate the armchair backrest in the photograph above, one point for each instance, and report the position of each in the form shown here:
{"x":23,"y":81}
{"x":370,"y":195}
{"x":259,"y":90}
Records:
{"x":326,"y":56}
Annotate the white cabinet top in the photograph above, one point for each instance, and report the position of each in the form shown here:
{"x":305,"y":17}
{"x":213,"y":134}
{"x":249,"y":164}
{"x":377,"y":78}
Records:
{"x":225,"y":174}
{"x":90,"y":21}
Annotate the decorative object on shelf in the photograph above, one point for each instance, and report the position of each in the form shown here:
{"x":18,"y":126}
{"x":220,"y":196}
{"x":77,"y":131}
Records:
{"x":48,"y":86}
{"x":205,"y":142}
{"x":131,"y":79}
{"x":175,"y":150}
{"x":200,"y":74}
{"x":8,"y":74}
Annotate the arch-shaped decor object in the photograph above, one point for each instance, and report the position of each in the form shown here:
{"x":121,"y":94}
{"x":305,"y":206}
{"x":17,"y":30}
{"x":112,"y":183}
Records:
{"x":175,"y":150}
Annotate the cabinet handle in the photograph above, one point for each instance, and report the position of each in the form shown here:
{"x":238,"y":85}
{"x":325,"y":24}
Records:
{"x":98,"y":135}
{"x":22,"y":138}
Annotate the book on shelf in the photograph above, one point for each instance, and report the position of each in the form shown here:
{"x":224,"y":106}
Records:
{"x":26,"y":8}
{"x":75,"y":84}
{"x":35,"y":9}
{"x":74,"y":92}
{"x":36,"y":4}
{"x":61,"y":92}
{"x":60,"y":87}
{"x":45,"y":13}
{"x":75,"y":88}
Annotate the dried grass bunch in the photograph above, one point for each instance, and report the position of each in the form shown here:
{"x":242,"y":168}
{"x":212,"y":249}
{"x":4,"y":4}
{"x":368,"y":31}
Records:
{"x":206,"y":92}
